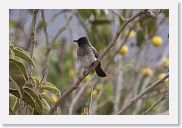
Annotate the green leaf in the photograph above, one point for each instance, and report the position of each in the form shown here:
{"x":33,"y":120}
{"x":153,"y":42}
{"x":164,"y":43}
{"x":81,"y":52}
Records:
{"x":16,"y":74}
{"x":11,"y":46}
{"x":49,"y":100}
{"x":151,"y":26}
{"x":140,"y":37}
{"x":23,"y":55}
{"x":20,"y":89}
{"x":50,"y":87}
{"x":11,"y":54}
{"x":44,"y":83}
{"x":17,"y":105}
{"x":29,"y":84}
{"x":166,"y":12}
{"x":46,"y":106}
{"x":37,"y":100}
{"x":22,"y":67}
{"x":35,"y":81}
{"x":26,"y":97}
{"x":12,"y":102}
{"x":40,"y":25}
{"x":85,"y":13}
{"x":101,"y":22}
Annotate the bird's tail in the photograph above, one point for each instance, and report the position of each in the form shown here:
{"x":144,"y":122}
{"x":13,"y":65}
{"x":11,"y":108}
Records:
{"x":99,"y":71}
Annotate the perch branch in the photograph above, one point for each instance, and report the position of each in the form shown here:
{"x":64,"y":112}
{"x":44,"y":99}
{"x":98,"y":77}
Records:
{"x":140,"y":95}
{"x":105,"y":51}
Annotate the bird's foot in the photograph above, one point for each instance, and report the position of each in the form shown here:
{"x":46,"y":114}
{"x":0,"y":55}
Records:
{"x":84,"y":72}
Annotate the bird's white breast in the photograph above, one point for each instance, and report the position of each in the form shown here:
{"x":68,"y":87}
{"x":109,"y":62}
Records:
{"x":87,"y":60}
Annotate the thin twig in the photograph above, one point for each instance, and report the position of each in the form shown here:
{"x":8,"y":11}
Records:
{"x":116,"y":52}
{"x":59,"y":13}
{"x":48,"y":49}
{"x":76,"y":98}
{"x":140,"y":95}
{"x":47,"y":44}
{"x":45,"y":27}
{"x":155,"y":104}
{"x":81,"y":21}
{"x":41,"y":80}
{"x":91,"y":98}
{"x":62,"y":28}
{"x":117,"y":14}
{"x":105,"y":51}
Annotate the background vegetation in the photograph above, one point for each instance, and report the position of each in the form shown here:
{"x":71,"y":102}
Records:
{"x":43,"y":62}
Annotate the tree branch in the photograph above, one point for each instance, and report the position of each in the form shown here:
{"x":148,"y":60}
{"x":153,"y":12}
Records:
{"x":155,"y":104}
{"x":45,"y":27}
{"x":105,"y":51}
{"x":140,"y":95}
{"x":47,"y":43}
{"x":49,"y":46}
{"x":32,"y":40}
{"x":62,"y":29}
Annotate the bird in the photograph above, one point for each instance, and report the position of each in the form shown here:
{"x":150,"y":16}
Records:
{"x":87,"y":55}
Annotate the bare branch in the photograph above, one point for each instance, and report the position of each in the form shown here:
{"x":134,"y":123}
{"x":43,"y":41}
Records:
{"x":105,"y":51}
{"x":81,"y":21}
{"x":32,"y":40}
{"x":48,"y":49}
{"x":140,"y":95}
{"x":91,"y":98}
{"x":62,"y":29}
{"x":45,"y":27}
{"x":155,"y":104}
{"x":41,"y":80}
{"x":59,"y":13}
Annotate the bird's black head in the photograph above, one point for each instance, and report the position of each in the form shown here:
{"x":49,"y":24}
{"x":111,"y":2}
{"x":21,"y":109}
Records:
{"x":82,"y":41}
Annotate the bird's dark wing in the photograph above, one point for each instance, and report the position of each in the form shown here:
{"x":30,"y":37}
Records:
{"x":95,"y":52}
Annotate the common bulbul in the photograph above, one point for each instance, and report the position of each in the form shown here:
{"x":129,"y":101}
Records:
{"x":87,"y":55}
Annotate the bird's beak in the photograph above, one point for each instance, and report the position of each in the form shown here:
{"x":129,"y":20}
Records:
{"x":75,"y":40}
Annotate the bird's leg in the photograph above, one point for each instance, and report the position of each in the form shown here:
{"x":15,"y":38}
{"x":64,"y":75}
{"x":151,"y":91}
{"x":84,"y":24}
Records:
{"x":93,"y":63}
{"x":85,"y":70}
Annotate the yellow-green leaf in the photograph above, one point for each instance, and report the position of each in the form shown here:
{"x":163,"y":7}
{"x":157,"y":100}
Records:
{"x":51,"y":89}
{"x":12,"y":102}
{"x":37,"y":100}
{"x":29,"y":84}
{"x":49,"y":100}
{"x":44,"y":83}
{"x":11,"y":46}
{"x":23,"y":55}
{"x":35,"y":81}
{"x":20,"y":89}
{"x":11,"y":54}
{"x":26,"y":97}
{"x":22,"y":67}
{"x":16,"y":74}
{"x":46,"y":106}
